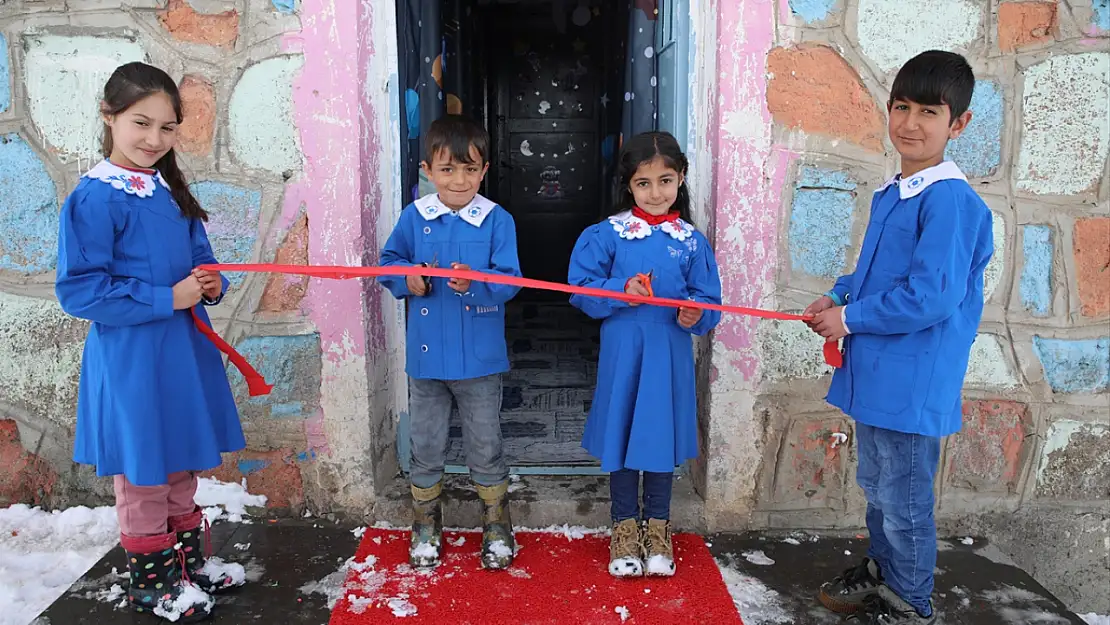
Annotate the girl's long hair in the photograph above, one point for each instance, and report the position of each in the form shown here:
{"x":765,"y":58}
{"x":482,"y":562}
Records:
{"x":129,"y":84}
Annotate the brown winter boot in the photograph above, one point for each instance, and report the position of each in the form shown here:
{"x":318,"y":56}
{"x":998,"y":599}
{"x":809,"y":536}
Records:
{"x":427,"y":526}
{"x":626,"y":550}
{"x":498,"y":545}
{"x":658,"y":550}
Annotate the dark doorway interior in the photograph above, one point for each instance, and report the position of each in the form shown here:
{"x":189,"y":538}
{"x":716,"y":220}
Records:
{"x":546,"y":76}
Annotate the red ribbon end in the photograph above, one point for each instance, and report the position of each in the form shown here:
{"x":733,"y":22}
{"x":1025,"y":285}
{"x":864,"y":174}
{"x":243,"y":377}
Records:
{"x":833,"y":357}
{"x":257,"y":387}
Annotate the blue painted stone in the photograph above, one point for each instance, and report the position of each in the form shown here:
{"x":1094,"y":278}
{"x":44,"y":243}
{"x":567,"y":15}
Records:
{"x":821,"y":221}
{"x":28,"y":209}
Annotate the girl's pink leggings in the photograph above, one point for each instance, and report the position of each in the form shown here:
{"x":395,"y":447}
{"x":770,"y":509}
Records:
{"x":146,"y":510}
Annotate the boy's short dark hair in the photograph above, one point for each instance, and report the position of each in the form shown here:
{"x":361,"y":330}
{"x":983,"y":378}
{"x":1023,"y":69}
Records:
{"x":456,"y":133}
{"x":936,"y":77}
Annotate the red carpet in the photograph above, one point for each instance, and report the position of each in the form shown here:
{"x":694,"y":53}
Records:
{"x":554,"y":580}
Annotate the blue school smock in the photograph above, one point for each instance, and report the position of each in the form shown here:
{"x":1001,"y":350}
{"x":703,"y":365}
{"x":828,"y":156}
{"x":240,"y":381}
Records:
{"x":914,"y":303}
{"x":154,"y":397}
{"x":451,"y":335}
{"x":644,"y":412}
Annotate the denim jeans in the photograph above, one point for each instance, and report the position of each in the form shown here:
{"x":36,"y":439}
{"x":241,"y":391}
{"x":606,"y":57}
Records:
{"x":624,"y":491}
{"x":896,"y":473}
{"x":479,"y":402}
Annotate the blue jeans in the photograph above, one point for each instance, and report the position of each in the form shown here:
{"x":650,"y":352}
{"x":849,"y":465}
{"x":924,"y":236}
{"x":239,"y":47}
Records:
{"x":896,"y":473}
{"x":479,"y":401}
{"x":624,"y":491}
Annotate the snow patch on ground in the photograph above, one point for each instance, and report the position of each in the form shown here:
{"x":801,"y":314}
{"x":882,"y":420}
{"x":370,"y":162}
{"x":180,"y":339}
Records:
{"x":758,"y":557}
{"x":759,"y":604}
{"x":223,"y":500}
{"x":43,"y":553}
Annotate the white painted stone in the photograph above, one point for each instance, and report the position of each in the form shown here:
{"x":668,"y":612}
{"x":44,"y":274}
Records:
{"x":987,"y":366}
{"x":1066,"y":136}
{"x":1059,"y":436}
{"x":892,"y":32}
{"x":992,"y":275}
{"x":791,"y":351}
{"x":260,"y":116}
{"x":41,"y":349}
{"x":64,"y":78}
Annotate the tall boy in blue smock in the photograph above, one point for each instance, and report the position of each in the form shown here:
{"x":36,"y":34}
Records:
{"x":456,"y":334}
{"x":908,"y":315}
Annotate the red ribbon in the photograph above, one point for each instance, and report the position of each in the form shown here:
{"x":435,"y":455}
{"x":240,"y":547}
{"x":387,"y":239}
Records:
{"x":258,"y":386}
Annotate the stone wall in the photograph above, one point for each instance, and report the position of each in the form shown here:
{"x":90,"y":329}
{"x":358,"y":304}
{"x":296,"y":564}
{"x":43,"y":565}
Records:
{"x":263,"y":148}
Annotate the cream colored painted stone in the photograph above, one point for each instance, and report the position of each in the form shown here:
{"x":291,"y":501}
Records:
{"x":1066,"y":120}
{"x":992,"y":275}
{"x":64,"y":78}
{"x":260,"y":120}
{"x":987,"y":365}
{"x":893,"y":31}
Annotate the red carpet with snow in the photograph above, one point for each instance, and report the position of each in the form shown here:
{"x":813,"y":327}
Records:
{"x":556,"y":579}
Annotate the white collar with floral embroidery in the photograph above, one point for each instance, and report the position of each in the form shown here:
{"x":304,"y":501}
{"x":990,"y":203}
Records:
{"x":915,"y":184}
{"x":131,"y":181}
{"x":628,"y":226}
{"x":473,"y":213}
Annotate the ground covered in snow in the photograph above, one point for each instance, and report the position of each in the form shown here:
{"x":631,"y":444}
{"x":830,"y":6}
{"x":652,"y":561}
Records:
{"x":43,"y":553}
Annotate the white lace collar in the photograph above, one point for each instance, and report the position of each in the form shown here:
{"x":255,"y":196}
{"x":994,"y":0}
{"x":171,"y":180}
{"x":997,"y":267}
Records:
{"x":131,"y":181}
{"x":915,"y":184}
{"x":473,"y":213}
{"x":630,"y":227}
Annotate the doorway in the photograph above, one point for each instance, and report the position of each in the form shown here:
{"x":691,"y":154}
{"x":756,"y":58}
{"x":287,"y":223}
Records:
{"x":551,"y":82}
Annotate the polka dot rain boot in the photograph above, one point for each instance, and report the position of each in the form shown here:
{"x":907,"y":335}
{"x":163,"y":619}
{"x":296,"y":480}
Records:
{"x":211,"y":574}
{"x":157,"y":584}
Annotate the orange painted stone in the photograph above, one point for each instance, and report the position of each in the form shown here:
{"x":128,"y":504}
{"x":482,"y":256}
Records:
{"x":987,"y":454}
{"x":1092,"y":265}
{"x":198,"y":103}
{"x":284,"y":293}
{"x":1024,"y":23}
{"x":184,"y":23}
{"x":812,"y":88}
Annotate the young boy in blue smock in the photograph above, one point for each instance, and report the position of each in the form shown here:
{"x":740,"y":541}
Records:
{"x":908,"y":315}
{"x":455,"y":348}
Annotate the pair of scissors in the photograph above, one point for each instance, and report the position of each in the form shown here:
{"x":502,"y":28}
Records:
{"x":645,"y":279}
{"x":428,"y":279}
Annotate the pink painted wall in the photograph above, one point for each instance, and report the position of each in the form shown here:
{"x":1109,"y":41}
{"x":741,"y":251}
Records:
{"x":749,"y":173}
{"x":328,"y":110}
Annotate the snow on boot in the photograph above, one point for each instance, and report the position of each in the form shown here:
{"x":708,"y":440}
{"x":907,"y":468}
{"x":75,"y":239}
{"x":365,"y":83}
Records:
{"x":427,"y":526}
{"x":626,"y":550}
{"x":658,"y":550}
{"x":498,"y":545}
{"x":210,"y":574}
{"x":157,"y":583}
